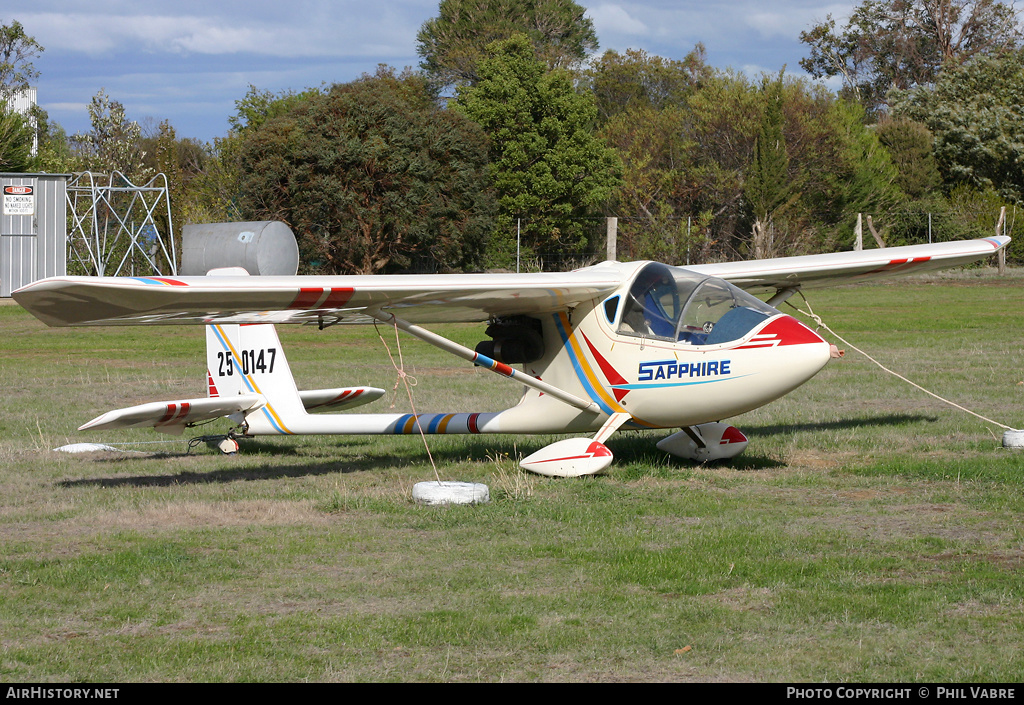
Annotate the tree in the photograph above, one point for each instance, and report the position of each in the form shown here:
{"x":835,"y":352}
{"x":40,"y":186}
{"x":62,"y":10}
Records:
{"x":974,"y":114}
{"x":17,"y":50}
{"x":372,"y":177}
{"x":636,"y":79}
{"x":452,"y":44}
{"x":912,"y":148}
{"x":546,"y":164}
{"x":768,"y":187}
{"x":862,"y":177}
{"x":208,"y":177}
{"x":114,"y":144}
{"x":55,"y":153}
{"x":899,"y":44}
{"x":786,"y":154}
{"x":258,"y":106}
{"x":651,"y":200}
{"x":16,"y":137}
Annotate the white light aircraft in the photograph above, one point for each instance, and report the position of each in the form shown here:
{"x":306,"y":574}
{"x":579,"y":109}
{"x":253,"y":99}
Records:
{"x":636,"y":345}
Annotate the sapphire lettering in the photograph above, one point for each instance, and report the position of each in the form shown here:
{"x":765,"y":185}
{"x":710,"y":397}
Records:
{"x":670,"y":369}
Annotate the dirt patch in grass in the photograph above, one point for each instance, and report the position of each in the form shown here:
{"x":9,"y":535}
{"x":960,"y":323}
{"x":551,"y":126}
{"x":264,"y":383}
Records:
{"x":743,"y":599}
{"x":816,"y":460}
{"x":177,"y":515}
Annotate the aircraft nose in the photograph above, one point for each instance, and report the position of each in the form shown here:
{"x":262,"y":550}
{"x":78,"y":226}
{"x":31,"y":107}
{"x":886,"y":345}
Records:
{"x":789,"y":331}
{"x":799,"y":352}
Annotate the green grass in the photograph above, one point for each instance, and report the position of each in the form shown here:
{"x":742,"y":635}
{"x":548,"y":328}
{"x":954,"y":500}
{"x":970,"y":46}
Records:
{"x":869,"y":533}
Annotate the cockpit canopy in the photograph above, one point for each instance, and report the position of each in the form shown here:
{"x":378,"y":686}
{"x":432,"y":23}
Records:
{"x":673,"y":304}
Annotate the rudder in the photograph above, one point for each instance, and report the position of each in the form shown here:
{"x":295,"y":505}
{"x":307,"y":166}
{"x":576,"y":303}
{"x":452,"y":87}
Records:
{"x":249,"y":359}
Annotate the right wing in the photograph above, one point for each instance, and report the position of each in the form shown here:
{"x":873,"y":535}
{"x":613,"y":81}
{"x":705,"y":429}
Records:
{"x":420,"y":298}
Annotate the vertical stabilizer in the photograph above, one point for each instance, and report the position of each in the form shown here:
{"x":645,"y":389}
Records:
{"x":249,"y":359}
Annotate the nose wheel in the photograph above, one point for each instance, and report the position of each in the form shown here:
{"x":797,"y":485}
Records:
{"x":708,"y":441}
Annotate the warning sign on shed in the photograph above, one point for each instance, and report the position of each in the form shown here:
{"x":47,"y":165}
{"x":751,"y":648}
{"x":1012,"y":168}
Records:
{"x":19,"y":200}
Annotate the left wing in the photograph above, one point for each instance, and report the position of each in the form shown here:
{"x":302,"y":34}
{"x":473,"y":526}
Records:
{"x":424,"y":298}
{"x":173,"y":416}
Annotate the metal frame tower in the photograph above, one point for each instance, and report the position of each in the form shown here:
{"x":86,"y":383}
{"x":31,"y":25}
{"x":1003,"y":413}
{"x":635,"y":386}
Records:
{"x":113,"y":229}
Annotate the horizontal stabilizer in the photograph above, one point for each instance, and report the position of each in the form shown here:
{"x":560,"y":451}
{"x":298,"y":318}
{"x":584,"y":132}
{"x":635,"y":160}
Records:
{"x":173,"y":416}
{"x":339,"y":398}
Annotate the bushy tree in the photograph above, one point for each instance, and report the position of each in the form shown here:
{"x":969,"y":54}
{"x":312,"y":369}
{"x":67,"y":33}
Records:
{"x":873,"y":178}
{"x":650,"y":201}
{"x":547,"y":166}
{"x":700,"y":172}
{"x":974,"y":114}
{"x":900,"y":44}
{"x":16,"y":137}
{"x":636,"y":80}
{"x":17,"y":50}
{"x":114,"y":143}
{"x":55,"y":153}
{"x":911,"y":146}
{"x":372,"y":177}
{"x":258,"y":105}
{"x":452,"y":44}
{"x":769,"y":188}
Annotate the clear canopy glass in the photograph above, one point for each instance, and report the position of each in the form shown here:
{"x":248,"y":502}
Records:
{"x":674,"y":304}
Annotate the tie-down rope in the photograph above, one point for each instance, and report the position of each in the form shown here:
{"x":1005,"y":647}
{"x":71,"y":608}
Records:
{"x":403,"y":377}
{"x":817,"y":319}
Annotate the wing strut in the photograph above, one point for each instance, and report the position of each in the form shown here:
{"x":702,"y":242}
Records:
{"x":782,"y":295}
{"x":483,"y":361}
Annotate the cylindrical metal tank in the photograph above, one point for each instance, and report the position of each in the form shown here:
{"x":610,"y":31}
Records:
{"x":264,"y":248}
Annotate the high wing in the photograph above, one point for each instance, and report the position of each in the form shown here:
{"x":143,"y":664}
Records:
{"x":837,"y":268}
{"x":427,"y":298}
{"x":423,"y":298}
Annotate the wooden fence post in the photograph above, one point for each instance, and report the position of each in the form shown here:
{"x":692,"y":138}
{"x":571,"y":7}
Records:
{"x":613,"y":237}
{"x":999,"y":231}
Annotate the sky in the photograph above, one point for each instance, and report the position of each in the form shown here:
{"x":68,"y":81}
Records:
{"x":188,"y":61}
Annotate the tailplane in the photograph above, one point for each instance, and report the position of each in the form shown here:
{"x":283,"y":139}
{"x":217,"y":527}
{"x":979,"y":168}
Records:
{"x":248,"y":380}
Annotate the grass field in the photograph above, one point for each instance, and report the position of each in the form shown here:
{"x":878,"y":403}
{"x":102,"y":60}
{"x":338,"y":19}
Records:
{"x":869,"y":533}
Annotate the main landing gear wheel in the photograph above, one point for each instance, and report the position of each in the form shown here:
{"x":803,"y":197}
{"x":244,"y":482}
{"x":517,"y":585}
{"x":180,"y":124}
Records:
{"x":228,"y":446}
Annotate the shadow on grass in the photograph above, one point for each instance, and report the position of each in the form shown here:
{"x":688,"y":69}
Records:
{"x":628,"y":449}
{"x":888,"y":420}
{"x":636,"y":449}
{"x":246,"y":474}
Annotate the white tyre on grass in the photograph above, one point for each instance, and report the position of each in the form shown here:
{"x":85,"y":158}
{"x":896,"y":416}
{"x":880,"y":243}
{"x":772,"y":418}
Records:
{"x":445,"y":492}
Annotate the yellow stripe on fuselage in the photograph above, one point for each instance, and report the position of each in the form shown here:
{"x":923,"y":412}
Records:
{"x":592,"y":377}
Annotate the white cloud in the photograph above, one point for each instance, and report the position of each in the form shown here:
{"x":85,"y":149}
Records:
{"x":614,"y":19}
{"x":66,"y":107}
{"x":97,"y":35}
{"x":788,"y":22}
